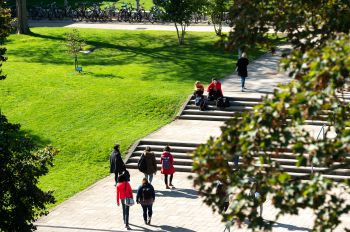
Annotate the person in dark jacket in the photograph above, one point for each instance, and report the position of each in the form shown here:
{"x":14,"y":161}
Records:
{"x":151,"y":164}
{"x":117,"y":165}
{"x":146,"y":196}
{"x":241,"y":67}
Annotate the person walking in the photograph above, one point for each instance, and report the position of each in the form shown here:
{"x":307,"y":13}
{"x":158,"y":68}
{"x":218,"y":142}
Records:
{"x":151,"y":164}
{"x":241,"y":67}
{"x":167,"y":161}
{"x":117,"y":165}
{"x":124,"y":191}
{"x":145,"y":197}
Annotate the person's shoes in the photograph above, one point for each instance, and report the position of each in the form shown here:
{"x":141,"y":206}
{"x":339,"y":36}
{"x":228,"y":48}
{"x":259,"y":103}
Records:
{"x":167,"y":187}
{"x":146,"y":222}
{"x":127,"y":227}
{"x":149,"y":221}
{"x":242,"y":90}
{"x":171,"y":185}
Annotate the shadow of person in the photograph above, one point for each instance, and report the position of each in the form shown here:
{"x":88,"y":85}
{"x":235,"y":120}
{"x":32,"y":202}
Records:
{"x":178,"y":193}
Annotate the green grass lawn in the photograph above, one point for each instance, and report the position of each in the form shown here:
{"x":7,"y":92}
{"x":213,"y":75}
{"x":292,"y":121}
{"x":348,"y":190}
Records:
{"x":133,"y":83}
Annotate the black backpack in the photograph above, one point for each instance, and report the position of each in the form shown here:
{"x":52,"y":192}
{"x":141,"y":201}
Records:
{"x":226,"y":102}
{"x":220,"y":102}
{"x":142,"y":164}
{"x":203,"y":105}
{"x":147,"y":193}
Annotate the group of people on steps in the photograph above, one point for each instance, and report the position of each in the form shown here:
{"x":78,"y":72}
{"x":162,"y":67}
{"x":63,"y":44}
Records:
{"x":147,"y":164}
{"x":145,"y":193}
{"x":214,"y":89}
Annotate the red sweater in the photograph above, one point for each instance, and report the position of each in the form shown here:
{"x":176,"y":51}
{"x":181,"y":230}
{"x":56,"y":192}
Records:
{"x":213,"y":86}
{"x":123,"y":190}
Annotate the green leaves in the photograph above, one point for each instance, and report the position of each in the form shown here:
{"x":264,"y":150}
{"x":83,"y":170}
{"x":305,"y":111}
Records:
{"x":20,"y":169}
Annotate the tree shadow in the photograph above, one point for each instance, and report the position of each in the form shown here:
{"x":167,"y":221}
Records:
{"x":197,"y":60}
{"x":290,"y":227}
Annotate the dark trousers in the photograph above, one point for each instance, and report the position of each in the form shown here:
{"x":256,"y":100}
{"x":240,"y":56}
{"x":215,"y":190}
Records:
{"x":116,"y":174}
{"x":214,"y":94}
{"x":147,"y":209}
{"x":166,"y":178}
{"x":125,"y":212}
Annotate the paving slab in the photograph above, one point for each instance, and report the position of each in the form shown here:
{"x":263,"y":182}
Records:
{"x":188,"y":131}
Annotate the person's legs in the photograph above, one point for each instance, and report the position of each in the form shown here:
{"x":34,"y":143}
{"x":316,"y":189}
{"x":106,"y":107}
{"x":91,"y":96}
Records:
{"x":150,"y":178}
{"x":127,"y":215}
{"x":150,"y":212}
{"x":171,"y":180}
{"x":146,"y":176}
{"x":144,"y":208}
{"x":243,"y":82}
{"x":166,"y":180}
{"x":123,"y":207}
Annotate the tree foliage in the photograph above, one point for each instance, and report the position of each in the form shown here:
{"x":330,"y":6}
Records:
{"x":320,"y":65}
{"x":180,"y":13}
{"x":21,"y":199}
{"x":216,"y":10}
{"x":74,"y":44}
{"x":5,"y":28}
{"x":306,"y":23}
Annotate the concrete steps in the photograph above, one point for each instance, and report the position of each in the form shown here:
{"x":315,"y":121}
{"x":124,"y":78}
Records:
{"x":237,"y":104}
{"x":183,"y":159}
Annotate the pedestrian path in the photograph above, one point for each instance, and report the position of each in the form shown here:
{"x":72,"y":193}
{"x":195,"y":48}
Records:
{"x":124,"y":26}
{"x":180,"y":209}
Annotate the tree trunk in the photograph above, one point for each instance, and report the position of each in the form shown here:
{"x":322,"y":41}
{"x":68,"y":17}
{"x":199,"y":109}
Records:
{"x":183,"y":31}
{"x":22,"y":25}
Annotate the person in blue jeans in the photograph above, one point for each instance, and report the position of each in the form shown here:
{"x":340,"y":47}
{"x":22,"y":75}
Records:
{"x":242,"y":71}
{"x":146,"y":196}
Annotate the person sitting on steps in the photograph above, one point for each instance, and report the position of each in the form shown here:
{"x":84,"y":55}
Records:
{"x":214,"y":90}
{"x":198,"y":89}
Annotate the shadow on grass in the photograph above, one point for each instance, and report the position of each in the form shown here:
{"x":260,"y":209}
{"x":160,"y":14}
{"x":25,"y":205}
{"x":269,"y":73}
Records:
{"x":100,"y":75}
{"x":36,"y":140}
{"x":197,"y":60}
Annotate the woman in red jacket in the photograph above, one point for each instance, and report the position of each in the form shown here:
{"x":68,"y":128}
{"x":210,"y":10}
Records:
{"x":214,"y":89}
{"x":124,"y":191}
{"x":167,"y":161}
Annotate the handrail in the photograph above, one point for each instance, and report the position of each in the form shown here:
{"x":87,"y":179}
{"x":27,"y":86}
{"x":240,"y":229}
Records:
{"x":318,"y":136}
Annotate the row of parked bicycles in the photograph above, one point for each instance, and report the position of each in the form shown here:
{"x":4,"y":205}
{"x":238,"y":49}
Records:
{"x":96,"y":13}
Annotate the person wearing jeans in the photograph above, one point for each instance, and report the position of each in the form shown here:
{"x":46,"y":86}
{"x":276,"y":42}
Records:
{"x":241,"y":65}
{"x":124,"y":191}
{"x":146,"y":196}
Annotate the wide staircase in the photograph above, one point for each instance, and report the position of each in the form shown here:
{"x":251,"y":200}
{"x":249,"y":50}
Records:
{"x":183,"y":159}
{"x":237,"y":104}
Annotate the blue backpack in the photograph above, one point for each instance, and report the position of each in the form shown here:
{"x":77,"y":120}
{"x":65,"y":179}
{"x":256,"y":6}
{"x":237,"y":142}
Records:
{"x":166,"y":163}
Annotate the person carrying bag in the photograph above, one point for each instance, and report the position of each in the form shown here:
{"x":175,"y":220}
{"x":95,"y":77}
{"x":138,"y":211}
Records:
{"x":125,"y":195}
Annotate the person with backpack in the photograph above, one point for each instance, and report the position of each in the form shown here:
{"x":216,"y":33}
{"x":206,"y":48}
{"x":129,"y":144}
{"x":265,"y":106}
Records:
{"x":214,"y":90}
{"x":241,"y":67}
{"x":167,"y":161}
{"x":117,"y":165}
{"x":146,"y":196}
{"x":125,"y":195}
{"x":148,"y":164}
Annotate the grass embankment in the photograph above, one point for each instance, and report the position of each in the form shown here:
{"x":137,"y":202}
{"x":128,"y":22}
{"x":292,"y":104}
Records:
{"x":133,"y":83}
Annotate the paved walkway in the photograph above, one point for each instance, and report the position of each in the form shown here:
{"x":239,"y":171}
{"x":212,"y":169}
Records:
{"x":123,"y":26}
{"x":180,"y":209}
